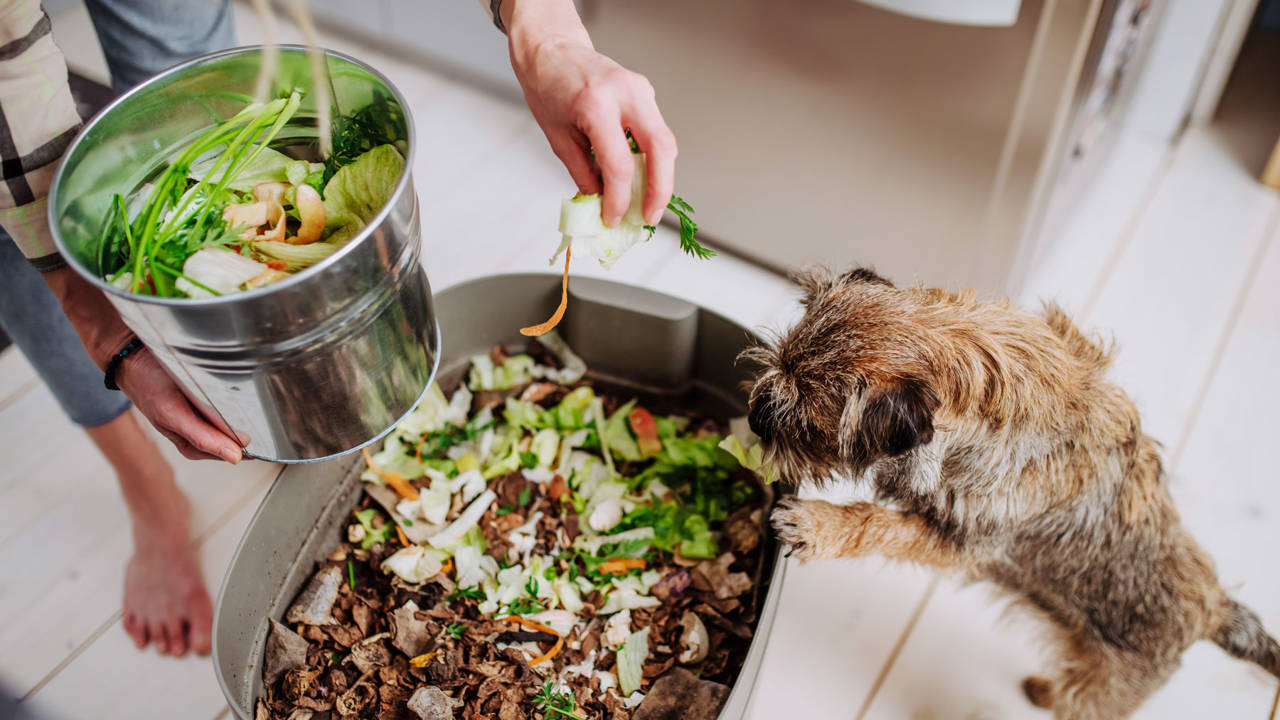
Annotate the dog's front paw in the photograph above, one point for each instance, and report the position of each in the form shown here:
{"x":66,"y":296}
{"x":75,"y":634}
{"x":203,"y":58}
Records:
{"x":812,"y":528}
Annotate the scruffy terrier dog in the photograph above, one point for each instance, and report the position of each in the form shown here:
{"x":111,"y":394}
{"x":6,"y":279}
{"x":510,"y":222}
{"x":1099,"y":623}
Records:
{"x":998,"y":449}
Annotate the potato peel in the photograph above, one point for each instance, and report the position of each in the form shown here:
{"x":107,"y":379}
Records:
{"x":558,"y":315}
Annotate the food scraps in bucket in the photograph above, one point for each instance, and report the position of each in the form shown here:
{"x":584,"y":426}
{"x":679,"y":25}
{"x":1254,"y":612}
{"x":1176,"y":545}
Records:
{"x":229,"y":212}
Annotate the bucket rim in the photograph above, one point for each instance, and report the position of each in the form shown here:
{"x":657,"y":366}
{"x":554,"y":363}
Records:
{"x":403,"y":184}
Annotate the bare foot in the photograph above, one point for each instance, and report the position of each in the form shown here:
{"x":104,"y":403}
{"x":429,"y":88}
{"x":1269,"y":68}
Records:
{"x":165,"y":600}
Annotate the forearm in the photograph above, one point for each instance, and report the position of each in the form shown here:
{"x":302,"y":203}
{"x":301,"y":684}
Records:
{"x":533,"y":24}
{"x":95,"y":319}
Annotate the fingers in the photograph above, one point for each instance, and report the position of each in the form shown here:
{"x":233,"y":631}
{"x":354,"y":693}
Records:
{"x":570,"y":147}
{"x":613,"y":155}
{"x":183,"y":420}
{"x":659,"y":146}
{"x":186,"y":449}
{"x":159,"y":398}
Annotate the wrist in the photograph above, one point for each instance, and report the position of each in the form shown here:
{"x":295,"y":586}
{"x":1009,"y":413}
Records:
{"x":95,"y":320}
{"x":539,"y":27}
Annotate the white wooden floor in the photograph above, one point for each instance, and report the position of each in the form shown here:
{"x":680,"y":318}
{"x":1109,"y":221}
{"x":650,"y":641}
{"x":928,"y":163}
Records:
{"x":1176,"y":252}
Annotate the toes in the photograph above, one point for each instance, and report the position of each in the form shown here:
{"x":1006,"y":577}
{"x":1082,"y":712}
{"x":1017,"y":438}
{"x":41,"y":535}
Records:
{"x":159,"y":638}
{"x":136,"y":629}
{"x":175,"y":632}
{"x":200,"y":626}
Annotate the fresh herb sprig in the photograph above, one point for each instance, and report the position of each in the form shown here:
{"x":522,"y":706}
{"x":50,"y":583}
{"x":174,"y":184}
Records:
{"x":435,"y":445}
{"x":689,"y":229}
{"x":683,"y":210}
{"x":558,"y":702}
{"x":465,"y":592}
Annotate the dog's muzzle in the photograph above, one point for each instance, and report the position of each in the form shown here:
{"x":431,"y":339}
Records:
{"x":760,"y":416}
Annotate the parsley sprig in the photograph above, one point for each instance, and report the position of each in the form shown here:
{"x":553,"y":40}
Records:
{"x":689,"y":229}
{"x":558,"y":702}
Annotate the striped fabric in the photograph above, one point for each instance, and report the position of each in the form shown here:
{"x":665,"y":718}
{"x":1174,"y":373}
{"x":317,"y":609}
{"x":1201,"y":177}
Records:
{"x":38,"y":120}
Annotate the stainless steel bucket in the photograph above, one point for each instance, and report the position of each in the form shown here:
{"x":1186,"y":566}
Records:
{"x":650,"y":343}
{"x":311,"y":367}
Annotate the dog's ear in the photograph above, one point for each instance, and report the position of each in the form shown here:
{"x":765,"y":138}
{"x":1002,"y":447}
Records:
{"x":813,"y":282}
{"x":864,"y":275}
{"x":888,"y":421}
{"x":818,"y":280}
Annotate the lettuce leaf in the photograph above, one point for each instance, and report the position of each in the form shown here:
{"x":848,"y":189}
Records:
{"x":617,"y":435}
{"x":357,"y":192}
{"x":269,"y":166}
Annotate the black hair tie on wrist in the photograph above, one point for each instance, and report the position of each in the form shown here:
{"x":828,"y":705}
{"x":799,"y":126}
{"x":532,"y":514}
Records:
{"x":109,"y":375}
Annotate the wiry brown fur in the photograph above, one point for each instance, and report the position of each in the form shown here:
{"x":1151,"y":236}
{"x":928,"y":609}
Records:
{"x":997,"y":448}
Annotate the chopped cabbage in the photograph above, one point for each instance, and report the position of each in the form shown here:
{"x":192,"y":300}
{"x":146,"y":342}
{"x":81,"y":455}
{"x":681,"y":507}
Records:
{"x":631,"y":661}
{"x":545,"y":445}
{"x":414,"y":564}
{"x":745,"y":447}
{"x":464,"y":522}
{"x":617,"y":435}
{"x":583,"y":229}
{"x":432,"y":504}
{"x":427,"y":417}
{"x":574,"y":368}
{"x":627,"y":599}
{"x":514,"y":371}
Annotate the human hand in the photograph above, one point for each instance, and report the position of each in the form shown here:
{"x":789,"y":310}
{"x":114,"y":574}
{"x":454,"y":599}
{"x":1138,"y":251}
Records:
{"x":585,"y":102}
{"x":159,"y":398}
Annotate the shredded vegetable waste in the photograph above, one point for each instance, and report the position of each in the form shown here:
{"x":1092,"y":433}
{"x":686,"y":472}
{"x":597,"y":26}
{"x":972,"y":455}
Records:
{"x":570,"y":551}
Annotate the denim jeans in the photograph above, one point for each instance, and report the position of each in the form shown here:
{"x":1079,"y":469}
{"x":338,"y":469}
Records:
{"x":140,"y":38}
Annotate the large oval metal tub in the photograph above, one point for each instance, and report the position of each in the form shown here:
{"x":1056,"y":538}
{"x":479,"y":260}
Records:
{"x":307,"y":368}
{"x":629,"y":336}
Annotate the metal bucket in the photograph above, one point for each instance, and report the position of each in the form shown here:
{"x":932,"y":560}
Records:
{"x":636,"y":339}
{"x":311,"y":367}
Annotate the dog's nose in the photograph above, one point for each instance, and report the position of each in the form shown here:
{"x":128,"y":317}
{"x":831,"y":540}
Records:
{"x":760,"y":418}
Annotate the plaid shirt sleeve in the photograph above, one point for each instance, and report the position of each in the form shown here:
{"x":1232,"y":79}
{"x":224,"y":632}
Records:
{"x":38,"y":120}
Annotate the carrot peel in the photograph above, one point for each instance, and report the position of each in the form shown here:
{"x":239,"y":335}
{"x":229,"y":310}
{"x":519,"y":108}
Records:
{"x":395,"y":480}
{"x":558,"y":315}
{"x":621,"y":566}
{"x":555,"y":649}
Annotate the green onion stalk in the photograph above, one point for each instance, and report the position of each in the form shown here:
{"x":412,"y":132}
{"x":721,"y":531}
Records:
{"x":176,"y":217}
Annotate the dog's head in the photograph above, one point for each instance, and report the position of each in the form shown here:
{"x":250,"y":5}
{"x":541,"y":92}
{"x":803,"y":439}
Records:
{"x":850,"y":384}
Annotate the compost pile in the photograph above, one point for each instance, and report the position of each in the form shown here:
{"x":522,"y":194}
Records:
{"x":533,"y":547}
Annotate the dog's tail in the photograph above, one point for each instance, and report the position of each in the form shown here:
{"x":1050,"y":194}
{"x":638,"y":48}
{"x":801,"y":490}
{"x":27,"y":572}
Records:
{"x":1243,"y":636}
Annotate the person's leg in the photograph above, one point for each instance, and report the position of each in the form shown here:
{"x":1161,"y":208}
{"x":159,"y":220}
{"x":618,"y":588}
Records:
{"x":165,"y":599}
{"x":141,"y":38}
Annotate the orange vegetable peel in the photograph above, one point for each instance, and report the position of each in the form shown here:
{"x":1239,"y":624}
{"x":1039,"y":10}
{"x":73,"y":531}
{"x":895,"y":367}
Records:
{"x":395,"y":480}
{"x":558,"y":315}
{"x":555,"y":649}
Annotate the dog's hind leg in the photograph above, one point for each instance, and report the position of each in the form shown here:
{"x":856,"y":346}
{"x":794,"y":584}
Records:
{"x":1101,"y":682}
{"x":819,"y":530}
